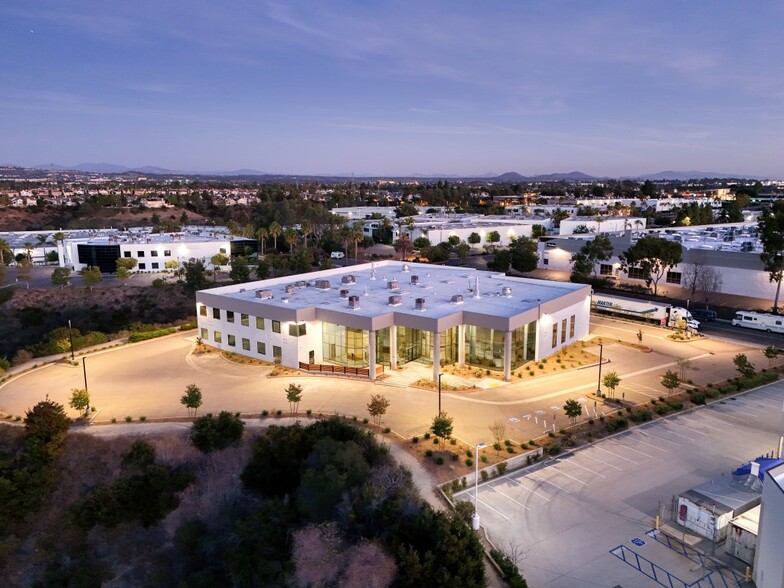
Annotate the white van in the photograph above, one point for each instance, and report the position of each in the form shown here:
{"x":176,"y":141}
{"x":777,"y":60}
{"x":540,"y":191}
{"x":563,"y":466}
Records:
{"x":337,"y":255}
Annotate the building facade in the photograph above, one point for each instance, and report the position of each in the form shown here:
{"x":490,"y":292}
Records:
{"x":383,"y":315}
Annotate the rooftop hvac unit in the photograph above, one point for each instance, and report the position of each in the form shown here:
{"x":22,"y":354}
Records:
{"x":395,"y":300}
{"x":506,"y":291}
{"x":322,"y":284}
{"x":392,"y":285}
{"x":264,"y":294}
{"x":344,"y":293}
{"x":349,"y":279}
{"x":291,"y":289}
{"x":301,"y":284}
{"x":414,"y":279}
{"x":405,"y":267}
{"x":353,"y":302}
{"x":420,"y":304}
{"x":457,"y":299}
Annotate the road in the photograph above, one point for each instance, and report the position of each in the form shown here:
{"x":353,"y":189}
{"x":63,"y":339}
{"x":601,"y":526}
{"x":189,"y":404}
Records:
{"x":566,"y":515}
{"x":724,"y":330}
{"x":147,"y":379}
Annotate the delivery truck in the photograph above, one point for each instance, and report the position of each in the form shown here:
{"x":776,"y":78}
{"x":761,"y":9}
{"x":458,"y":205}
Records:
{"x":659,"y":313}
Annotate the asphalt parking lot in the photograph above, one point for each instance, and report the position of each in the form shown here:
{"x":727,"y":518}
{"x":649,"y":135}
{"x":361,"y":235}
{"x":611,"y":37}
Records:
{"x":564,"y":516}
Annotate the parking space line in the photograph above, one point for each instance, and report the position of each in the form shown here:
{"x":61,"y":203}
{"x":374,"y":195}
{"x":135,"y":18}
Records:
{"x":532,"y":491}
{"x":756,"y":409}
{"x":573,"y":462}
{"x":724,"y":414}
{"x":766,"y":404}
{"x":546,"y":481}
{"x":596,"y":447}
{"x":628,"y":448}
{"x":482,"y":502}
{"x":659,"y":438}
{"x":510,"y":498}
{"x":677,"y":434}
{"x":705,"y":415}
{"x":696,"y":416}
{"x":650,"y":445}
{"x":584,"y":454}
{"x":568,"y":475}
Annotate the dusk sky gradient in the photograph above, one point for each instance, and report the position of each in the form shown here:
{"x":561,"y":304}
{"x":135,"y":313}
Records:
{"x":396,"y":88}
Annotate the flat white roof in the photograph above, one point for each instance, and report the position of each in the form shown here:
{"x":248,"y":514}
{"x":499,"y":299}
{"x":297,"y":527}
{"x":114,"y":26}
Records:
{"x":372,"y":284}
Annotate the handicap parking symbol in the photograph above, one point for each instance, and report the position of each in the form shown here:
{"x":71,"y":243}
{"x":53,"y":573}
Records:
{"x":638,"y":542}
{"x":514,"y":420}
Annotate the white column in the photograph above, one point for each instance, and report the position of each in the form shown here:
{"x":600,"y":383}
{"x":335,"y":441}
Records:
{"x":461,"y":345}
{"x":436,"y":356}
{"x":393,"y":347}
{"x":372,"y":354}
{"x":507,"y":355}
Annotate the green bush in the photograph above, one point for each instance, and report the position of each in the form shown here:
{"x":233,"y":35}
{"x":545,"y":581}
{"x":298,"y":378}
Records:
{"x":387,"y":430}
{"x":188,"y":326}
{"x":142,"y":418}
{"x":209,"y":433}
{"x":484,"y":475}
{"x":501,"y":468}
{"x":469,"y":462}
{"x":641,"y":416}
{"x":128,"y":419}
{"x":698,"y":398}
{"x":552,"y":448}
{"x":439,"y":460}
{"x":415,"y":440}
{"x":497,"y":446}
{"x":146,"y":335}
{"x":469,"y":453}
{"x":426,"y":435}
{"x":511,"y":573}
{"x":264,"y":413}
{"x":510,"y":449}
{"x":662,"y":410}
{"x":614,"y":425}
{"x":428,"y":453}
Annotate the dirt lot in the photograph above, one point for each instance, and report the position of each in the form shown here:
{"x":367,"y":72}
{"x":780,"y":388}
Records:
{"x":23,"y":219}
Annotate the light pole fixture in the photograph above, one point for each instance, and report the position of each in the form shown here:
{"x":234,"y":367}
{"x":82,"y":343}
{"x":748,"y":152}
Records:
{"x":70,"y":335}
{"x":599,"y":382}
{"x":439,"y":394}
{"x":84,"y":369}
{"x":475,"y":516}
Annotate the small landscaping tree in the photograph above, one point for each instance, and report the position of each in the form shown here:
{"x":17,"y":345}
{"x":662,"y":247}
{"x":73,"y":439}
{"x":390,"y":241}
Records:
{"x":192,"y":399}
{"x":683,"y":365}
{"x":670,"y":381}
{"x":743,"y":365}
{"x":91,"y":277}
{"x":573,"y":409}
{"x":61,"y":276}
{"x":611,"y":381}
{"x":377,"y":408}
{"x":771,"y":352}
{"x":294,"y":396}
{"x":442,"y":427}
{"x":498,"y":429}
{"x":80,"y":400}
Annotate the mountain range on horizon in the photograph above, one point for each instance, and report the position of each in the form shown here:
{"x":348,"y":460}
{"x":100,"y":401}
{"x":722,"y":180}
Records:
{"x":111,"y":168}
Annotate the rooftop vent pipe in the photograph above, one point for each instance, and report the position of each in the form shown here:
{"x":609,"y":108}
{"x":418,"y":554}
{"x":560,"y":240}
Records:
{"x":344,"y":293}
{"x":414,"y":279}
{"x":420,"y":304}
{"x":353,"y":302}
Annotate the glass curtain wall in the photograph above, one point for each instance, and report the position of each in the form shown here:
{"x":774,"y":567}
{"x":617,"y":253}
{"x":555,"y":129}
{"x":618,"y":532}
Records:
{"x":416,"y":345}
{"x":345,"y":345}
{"x":382,"y":347}
{"x":523,"y":344}
{"x":484,"y":347}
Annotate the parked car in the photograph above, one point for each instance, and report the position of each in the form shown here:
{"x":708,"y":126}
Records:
{"x":337,"y":255}
{"x":702,"y":314}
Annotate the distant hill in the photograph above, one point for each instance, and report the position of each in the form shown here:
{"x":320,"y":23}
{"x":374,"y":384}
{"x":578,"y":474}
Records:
{"x":687,"y":175}
{"x":574,"y":176}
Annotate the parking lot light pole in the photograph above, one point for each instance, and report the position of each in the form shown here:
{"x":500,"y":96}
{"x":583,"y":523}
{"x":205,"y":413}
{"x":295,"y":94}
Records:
{"x":599,"y":383}
{"x":70,"y":335}
{"x":475,"y":516}
{"x":439,"y":393}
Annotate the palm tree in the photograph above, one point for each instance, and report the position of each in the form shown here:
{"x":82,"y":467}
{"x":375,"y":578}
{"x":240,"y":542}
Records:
{"x":356,"y":235}
{"x":274,"y":232}
{"x":42,"y":240}
{"x":291,"y":237}
{"x":3,"y":248}
{"x":307,"y":228}
{"x":29,"y":250}
{"x":261,"y":235}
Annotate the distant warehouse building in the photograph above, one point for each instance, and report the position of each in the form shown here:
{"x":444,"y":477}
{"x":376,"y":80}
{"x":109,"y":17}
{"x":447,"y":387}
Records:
{"x":768,"y":560}
{"x":374,"y":316}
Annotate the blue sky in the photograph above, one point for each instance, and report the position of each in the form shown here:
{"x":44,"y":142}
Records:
{"x":394,"y":88}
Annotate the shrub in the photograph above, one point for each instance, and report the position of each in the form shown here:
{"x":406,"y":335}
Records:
{"x":439,"y":460}
{"x":455,"y":486}
{"x":569,"y":442}
{"x":662,"y":410}
{"x":484,"y":475}
{"x":142,"y":418}
{"x":469,"y":462}
{"x":501,"y":468}
{"x":128,"y":419}
{"x":590,"y":421}
{"x":508,"y":442}
{"x":435,"y":441}
{"x":641,"y":416}
{"x":562,"y":432}
{"x":415,"y":439}
{"x":532,"y":443}
{"x":616,"y":425}
{"x":552,"y":448}
{"x":428,"y":453}
{"x":387,"y":430}
{"x":551,"y":434}
{"x":483,"y":459}
{"x":453,"y":441}
{"x":114,"y":420}
{"x":469,"y":453}
{"x":209,"y":433}
{"x":427,"y":435}
{"x":278,"y":412}
{"x":309,"y":412}
{"x":510,"y":571}
{"x":264,"y":412}
{"x":146,"y":335}
{"x":675,"y":405}
{"x":365,"y":421}
{"x":510,"y":449}
{"x":455,"y":457}
{"x":698,"y":398}
{"x":497,"y":446}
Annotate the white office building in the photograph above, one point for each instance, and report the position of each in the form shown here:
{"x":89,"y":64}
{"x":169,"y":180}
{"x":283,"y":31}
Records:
{"x":367,"y":318}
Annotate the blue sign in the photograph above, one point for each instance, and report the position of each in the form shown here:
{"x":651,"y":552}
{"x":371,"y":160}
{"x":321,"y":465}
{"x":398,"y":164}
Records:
{"x":638,"y":542}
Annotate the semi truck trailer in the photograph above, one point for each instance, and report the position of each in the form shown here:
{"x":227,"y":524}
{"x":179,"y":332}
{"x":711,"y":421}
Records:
{"x":659,"y":313}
